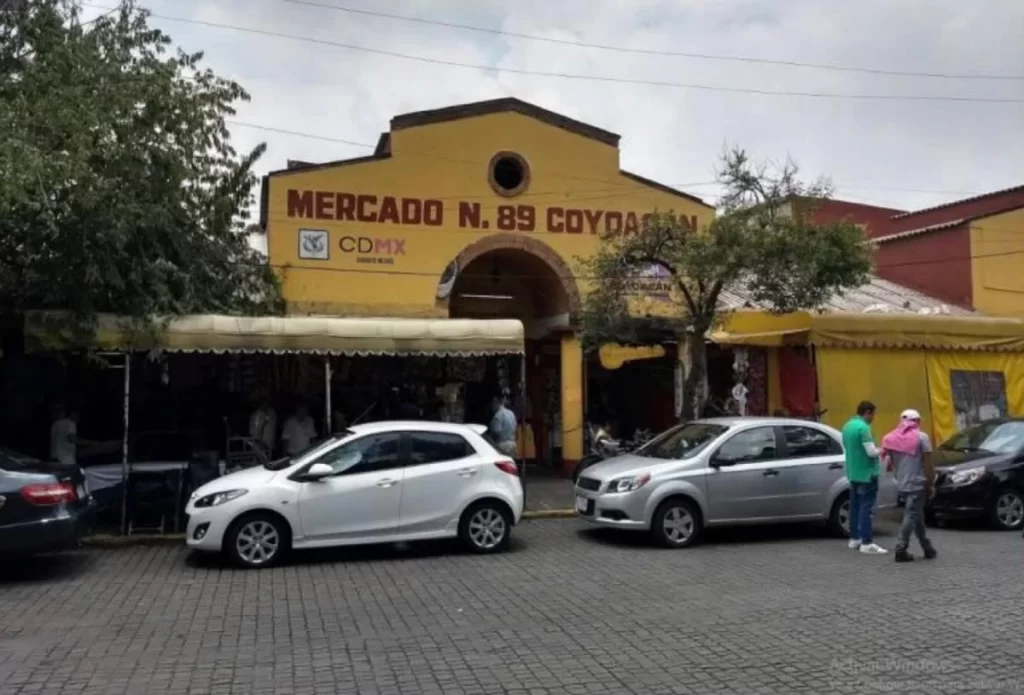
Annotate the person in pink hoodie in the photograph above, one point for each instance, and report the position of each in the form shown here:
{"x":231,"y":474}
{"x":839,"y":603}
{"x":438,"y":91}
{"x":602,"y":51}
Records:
{"x":907,"y":452}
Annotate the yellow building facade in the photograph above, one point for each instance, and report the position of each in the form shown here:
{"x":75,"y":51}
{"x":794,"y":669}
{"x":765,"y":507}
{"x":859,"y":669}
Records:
{"x":477,"y":211}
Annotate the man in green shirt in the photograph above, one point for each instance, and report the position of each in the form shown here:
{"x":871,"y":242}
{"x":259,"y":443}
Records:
{"x":862,"y":470}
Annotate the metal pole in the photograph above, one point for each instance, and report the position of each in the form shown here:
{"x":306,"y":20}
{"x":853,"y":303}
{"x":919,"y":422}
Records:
{"x":522,"y":409}
{"x":124,"y":444}
{"x":327,"y":395}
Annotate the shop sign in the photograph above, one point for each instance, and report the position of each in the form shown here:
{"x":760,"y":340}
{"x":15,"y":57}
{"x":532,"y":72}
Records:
{"x":431,"y":212}
{"x":653,"y":281}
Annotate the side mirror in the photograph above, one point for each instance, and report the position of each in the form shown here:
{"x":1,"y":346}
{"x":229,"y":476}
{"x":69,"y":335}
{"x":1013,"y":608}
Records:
{"x":318,"y":471}
{"x":719,"y":462}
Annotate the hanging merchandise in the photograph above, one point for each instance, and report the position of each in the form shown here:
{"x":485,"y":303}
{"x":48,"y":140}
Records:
{"x":739,"y":370}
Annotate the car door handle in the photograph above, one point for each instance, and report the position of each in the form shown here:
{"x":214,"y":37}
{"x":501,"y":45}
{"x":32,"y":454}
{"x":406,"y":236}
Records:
{"x":835,"y":466}
{"x":466,"y":472}
{"x":386,"y":482}
{"x":770,"y":473}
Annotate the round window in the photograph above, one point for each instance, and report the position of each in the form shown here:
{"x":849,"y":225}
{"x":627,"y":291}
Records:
{"x":508,"y":174}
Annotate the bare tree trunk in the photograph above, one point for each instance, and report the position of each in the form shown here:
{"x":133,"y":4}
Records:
{"x":695,"y":383}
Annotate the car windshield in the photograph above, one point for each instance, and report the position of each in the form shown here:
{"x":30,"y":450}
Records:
{"x":282,"y":463}
{"x":996,"y":437}
{"x":682,"y":441}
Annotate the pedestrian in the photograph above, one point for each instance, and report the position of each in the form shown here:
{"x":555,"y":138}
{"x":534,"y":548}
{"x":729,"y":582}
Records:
{"x":862,"y":471}
{"x":64,"y":436}
{"x":298,"y":432}
{"x":263,"y":425}
{"x":503,"y":427}
{"x":907,"y":451}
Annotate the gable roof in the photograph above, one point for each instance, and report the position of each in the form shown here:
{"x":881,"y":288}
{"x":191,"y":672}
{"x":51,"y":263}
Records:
{"x":504,"y":105}
{"x":962,"y":201}
{"x":949,"y":224}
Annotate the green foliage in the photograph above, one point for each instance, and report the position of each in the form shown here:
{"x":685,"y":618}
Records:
{"x":119,"y":189}
{"x":763,"y":243}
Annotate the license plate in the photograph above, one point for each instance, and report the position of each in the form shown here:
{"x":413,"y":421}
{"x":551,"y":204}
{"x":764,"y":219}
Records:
{"x":582,"y":504}
{"x":82,"y":492}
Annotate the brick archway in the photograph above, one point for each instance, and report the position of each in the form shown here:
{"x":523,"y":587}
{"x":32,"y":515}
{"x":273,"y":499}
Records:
{"x":522,"y":244}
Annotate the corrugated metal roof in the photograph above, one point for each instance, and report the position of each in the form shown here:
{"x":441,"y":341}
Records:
{"x":878,"y":296}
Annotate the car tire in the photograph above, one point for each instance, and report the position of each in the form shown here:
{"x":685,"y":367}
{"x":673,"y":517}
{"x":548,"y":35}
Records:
{"x":1007,"y":512}
{"x":677,"y":523}
{"x":840,"y":513}
{"x":258,"y":540}
{"x":486,"y":527}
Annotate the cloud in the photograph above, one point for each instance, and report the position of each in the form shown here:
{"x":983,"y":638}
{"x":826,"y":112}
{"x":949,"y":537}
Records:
{"x":672,"y":135}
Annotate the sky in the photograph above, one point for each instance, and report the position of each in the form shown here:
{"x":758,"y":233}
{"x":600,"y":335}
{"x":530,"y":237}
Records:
{"x":895,"y":153}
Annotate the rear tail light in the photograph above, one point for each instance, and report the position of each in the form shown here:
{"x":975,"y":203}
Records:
{"x":509,"y":467}
{"x":43,"y":494}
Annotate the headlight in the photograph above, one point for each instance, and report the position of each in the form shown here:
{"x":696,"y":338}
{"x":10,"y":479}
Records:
{"x":218,"y":498}
{"x":629,"y":484}
{"x":967,"y":477}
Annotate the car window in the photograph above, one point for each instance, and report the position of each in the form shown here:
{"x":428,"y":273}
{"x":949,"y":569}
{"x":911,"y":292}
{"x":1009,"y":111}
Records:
{"x":375,"y":452}
{"x":997,"y":437}
{"x":807,"y":441}
{"x":748,"y":446}
{"x":435,"y":447}
{"x":681,"y":442}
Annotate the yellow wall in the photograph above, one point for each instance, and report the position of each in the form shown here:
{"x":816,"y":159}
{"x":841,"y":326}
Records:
{"x":891,"y":379}
{"x":447,"y":163}
{"x":997,"y":250}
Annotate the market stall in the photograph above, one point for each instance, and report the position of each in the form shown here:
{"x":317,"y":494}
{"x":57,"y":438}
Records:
{"x":436,"y":362}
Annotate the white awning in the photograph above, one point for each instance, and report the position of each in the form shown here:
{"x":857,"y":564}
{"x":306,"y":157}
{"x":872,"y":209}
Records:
{"x":292,"y":334}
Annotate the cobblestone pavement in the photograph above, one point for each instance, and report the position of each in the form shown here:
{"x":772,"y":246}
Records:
{"x":566,"y":611}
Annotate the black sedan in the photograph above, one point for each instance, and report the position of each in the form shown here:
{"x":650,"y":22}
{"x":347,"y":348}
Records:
{"x":44,"y":507}
{"x":979,"y":473}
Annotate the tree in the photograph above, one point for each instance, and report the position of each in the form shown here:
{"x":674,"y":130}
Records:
{"x":119,"y":189}
{"x":762,"y":241}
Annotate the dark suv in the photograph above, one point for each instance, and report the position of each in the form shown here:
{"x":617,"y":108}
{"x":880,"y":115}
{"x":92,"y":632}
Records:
{"x":43,"y":506}
{"x":979,"y":473}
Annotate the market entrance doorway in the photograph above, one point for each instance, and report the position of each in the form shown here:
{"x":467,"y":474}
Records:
{"x":522,"y":279}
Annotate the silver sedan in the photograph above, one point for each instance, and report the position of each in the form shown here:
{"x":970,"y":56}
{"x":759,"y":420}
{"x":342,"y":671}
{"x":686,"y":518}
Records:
{"x":724,"y":471}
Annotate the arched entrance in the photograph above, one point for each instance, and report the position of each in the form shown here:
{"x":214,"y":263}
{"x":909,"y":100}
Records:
{"x":510,"y":276}
{"x":515,"y":276}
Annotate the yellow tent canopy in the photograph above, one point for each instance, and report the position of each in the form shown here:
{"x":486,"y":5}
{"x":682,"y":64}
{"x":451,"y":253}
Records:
{"x":293,"y":334}
{"x":844,"y":330}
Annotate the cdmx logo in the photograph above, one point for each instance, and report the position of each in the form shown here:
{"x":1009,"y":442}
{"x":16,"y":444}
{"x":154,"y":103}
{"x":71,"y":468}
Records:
{"x":376,"y":246}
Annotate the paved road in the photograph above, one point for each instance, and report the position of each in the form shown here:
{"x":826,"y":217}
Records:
{"x":567,"y":611}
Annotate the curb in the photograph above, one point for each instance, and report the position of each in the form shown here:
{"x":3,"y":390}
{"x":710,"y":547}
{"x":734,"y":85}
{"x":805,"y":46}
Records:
{"x":550,"y":514}
{"x":109,"y":541}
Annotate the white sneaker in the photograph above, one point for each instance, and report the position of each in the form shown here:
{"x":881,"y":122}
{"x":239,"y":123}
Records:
{"x":873,"y":549}
{"x":853,"y":544}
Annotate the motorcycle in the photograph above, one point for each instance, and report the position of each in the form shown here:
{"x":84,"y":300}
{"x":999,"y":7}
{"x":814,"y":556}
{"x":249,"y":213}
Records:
{"x":604,"y":447}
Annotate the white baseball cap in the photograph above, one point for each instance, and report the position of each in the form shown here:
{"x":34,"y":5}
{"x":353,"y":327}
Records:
{"x":910,"y":414}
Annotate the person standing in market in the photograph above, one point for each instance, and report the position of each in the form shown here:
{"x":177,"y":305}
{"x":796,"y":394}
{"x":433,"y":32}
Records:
{"x":263,"y":425}
{"x":299,"y":431}
{"x":503,"y":427}
{"x":907,"y":451}
{"x":64,"y":436}
{"x":862,"y":471}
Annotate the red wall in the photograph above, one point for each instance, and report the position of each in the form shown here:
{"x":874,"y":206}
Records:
{"x":875,"y":219}
{"x":935,"y":263}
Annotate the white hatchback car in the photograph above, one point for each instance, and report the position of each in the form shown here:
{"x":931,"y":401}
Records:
{"x":383,"y":482}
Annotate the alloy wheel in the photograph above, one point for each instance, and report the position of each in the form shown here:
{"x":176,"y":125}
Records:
{"x":487,"y":528}
{"x":843,"y":516}
{"x":257,"y":542}
{"x":678,"y":525}
{"x":1010,"y":510}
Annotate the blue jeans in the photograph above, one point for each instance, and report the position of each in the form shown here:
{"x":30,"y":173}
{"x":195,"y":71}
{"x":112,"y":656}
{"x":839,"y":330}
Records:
{"x":862,"y":510}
